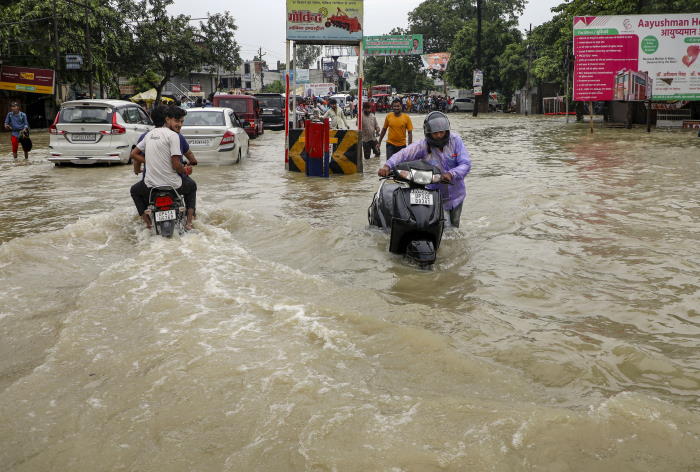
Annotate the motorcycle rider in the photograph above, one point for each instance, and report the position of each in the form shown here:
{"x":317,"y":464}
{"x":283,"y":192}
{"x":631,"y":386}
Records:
{"x":161,"y":152}
{"x":447,"y":152}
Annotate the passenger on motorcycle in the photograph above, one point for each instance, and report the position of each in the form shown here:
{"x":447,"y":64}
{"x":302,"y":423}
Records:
{"x":161,"y":152}
{"x":447,"y":152}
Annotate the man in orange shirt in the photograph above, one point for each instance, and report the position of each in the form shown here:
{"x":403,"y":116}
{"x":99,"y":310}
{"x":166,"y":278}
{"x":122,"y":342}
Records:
{"x":398,"y":124}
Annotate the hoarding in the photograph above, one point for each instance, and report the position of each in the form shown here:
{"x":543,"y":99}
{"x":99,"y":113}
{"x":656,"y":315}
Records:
{"x":25,"y":79}
{"x":393,"y":45}
{"x":437,"y":61}
{"x":302,"y":76}
{"x":632,"y":57}
{"x":319,"y":90}
{"x":325,"y":21}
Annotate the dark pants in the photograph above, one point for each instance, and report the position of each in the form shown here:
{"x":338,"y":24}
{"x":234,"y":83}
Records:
{"x":140,"y":194}
{"x":454,"y":215}
{"x":391,"y":150}
{"x":368,"y":147}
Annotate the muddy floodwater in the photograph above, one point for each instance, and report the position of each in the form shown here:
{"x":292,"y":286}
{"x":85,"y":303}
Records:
{"x":558,"y":331}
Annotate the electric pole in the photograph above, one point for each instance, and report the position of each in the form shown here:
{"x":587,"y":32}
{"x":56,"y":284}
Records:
{"x":262,"y":74}
{"x":529,"y":64}
{"x":477,"y":98}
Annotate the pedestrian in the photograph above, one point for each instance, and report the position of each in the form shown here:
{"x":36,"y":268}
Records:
{"x":336,"y":116}
{"x":398,"y":124}
{"x":370,"y":131}
{"x":16,"y":122}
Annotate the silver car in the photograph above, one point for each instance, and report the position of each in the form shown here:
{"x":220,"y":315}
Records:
{"x":91,"y":131}
{"x":215,"y":135}
{"x":463,"y":104}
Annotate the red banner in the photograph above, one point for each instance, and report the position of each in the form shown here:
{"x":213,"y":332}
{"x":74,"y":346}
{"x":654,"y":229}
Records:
{"x":26,"y":79}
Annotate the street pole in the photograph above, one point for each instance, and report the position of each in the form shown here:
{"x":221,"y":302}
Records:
{"x":477,"y":98}
{"x":529,"y":64}
{"x":57,"y":86}
{"x":568,"y":68}
{"x":89,"y":52}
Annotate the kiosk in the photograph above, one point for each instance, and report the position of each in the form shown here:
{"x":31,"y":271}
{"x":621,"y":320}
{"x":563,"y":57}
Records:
{"x":315,"y":149}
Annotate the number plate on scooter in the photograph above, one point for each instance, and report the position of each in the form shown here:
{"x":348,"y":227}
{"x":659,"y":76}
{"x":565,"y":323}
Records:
{"x":421,"y":197}
{"x":165,"y":215}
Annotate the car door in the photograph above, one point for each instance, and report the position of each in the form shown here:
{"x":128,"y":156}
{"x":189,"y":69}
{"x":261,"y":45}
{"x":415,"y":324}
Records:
{"x":241,"y":136}
{"x":133,"y":123}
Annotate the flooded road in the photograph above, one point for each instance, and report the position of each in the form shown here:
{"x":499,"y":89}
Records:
{"x":558,"y":331}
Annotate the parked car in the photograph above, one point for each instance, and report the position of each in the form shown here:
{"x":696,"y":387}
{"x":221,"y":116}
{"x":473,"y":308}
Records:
{"x":463,"y":104}
{"x":216,"y":135}
{"x":272,"y":105}
{"x":247,"y":108}
{"x":91,"y":131}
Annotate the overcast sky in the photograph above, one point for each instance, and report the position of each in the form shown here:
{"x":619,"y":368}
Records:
{"x":261,"y":23}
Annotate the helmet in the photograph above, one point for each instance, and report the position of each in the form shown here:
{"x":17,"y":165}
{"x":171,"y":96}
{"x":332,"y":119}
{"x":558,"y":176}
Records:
{"x":434,"y":122}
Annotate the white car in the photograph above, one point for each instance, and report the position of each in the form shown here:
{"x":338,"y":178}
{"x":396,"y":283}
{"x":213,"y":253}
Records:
{"x":215,"y":135}
{"x":91,"y":131}
{"x":463,"y":104}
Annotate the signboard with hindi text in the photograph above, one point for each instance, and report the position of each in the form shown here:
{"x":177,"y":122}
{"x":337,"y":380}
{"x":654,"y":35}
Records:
{"x":325,"y":21}
{"x":634,"y":57}
{"x":393,"y":45}
{"x":26,"y":79}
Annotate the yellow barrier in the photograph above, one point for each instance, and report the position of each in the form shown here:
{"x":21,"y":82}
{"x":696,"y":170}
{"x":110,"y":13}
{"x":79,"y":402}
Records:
{"x":346,"y":157}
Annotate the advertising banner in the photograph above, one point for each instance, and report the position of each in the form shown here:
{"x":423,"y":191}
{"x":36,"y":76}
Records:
{"x":393,"y":45}
{"x":437,"y":61}
{"x":319,"y":90}
{"x":302,"y":76}
{"x":325,"y":21}
{"x":635,"y":57}
{"x":25,"y":79}
{"x":478,"y":78}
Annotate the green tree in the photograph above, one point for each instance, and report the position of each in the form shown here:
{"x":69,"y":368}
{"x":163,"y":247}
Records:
{"x":440,"y":20}
{"x":100,"y":32}
{"x":307,"y":55}
{"x":167,"y":45}
{"x":221,"y":51}
{"x":497,"y":35}
{"x":274,"y":87}
{"x":403,"y":73}
{"x":512,"y":69}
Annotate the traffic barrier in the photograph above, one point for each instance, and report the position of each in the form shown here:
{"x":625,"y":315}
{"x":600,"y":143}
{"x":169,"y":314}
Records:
{"x":346,"y":156}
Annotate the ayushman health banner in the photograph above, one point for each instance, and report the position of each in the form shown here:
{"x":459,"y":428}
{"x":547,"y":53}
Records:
{"x":634,"y":57}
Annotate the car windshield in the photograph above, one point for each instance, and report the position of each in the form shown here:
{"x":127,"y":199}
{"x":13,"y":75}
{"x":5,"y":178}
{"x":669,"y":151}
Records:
{"x":86,"y":115}
{"x":235,"y":104}
{"x":271,"y":102}
{"x":204,"y":118}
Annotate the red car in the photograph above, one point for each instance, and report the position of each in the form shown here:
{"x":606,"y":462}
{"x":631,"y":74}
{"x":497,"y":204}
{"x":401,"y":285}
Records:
{"x":247,"y":108}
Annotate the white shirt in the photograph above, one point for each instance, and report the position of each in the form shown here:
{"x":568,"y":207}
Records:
{"x":337,"y":119}
{"x":159,"y":145}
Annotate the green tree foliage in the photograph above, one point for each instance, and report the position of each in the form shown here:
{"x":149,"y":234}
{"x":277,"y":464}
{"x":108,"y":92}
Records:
{"x":220,"y":50}
{"x":307,"y":55}
{"x":497,"y":35}
{"x":274,"y":87}
{"x":27,"y":37}
{"x":512,"y":69}
{"x":403,"y":73}
{"x":440,"y":20}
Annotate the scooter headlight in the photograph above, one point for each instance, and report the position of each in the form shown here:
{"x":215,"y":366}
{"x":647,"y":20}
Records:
{"x":421,"y":177}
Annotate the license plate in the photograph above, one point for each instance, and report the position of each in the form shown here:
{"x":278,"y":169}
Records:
{"x":421,"y":197}
{"x":199,"y":142}
{"x":267,"y":112}
{"x":83,"y":136}
{"x":165,"y":215}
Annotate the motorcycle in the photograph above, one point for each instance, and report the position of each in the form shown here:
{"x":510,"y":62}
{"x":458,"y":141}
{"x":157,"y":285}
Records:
{"x":412,"y":213}
{"x":167,"y":210}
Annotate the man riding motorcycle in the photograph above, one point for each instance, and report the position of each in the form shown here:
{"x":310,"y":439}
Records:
{"x":444,"y":150}
{"x":160,"y":150}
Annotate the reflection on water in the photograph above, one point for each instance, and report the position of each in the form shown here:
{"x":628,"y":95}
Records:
{"x":558,"y":330}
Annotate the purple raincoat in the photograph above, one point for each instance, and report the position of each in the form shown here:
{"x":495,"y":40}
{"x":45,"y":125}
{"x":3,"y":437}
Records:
{"x":454,"y":158}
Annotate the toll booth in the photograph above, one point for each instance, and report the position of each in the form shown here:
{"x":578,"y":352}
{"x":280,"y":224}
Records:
{"x":315,"y":149}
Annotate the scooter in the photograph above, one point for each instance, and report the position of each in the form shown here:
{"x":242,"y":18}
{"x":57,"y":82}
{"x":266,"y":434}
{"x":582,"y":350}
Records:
{"x":412,"y":214}
{"x":167,"y":210}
